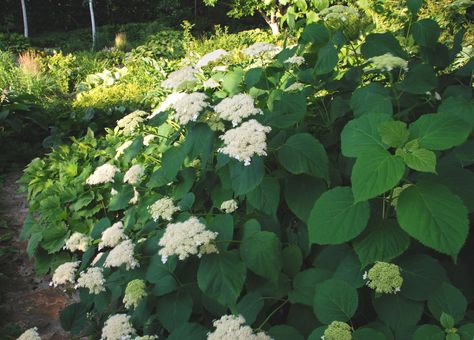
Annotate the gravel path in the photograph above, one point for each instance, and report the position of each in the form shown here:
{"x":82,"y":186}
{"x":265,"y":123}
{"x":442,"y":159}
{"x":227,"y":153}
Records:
{"x":25,"y":299}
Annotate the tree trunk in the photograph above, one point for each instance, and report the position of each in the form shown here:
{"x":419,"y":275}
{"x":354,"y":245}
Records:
{"x":25,"y":18}
{"x":272,"y":21}
{"x":91,"y":10}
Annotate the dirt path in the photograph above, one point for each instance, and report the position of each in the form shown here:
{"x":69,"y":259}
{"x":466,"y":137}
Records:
{"x":25,"y":300}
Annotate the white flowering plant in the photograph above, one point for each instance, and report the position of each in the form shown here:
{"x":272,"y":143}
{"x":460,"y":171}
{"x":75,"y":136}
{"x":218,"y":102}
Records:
{"x":260,"y":215}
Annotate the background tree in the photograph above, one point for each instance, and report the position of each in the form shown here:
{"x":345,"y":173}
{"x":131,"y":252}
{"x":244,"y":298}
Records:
{"x":25,"y":18}
{"x":91,"y":11}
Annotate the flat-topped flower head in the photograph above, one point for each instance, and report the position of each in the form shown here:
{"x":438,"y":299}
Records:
{"x":168,"y":103}
{"x":180,"y":79}
{"x":245,"y":141}
{"x":260,"y":48}
{"x":164,"y":208}
{"x":103,"y":174}
{"x":121,"y":149}
{"x":77,"y":241}
{"x":295,"y":60}
{"x":185,"y":239}
{"x":337,"y":330}
{"x":30,"y":334}
{"x":211,"y":57}
{"x":384,"y":278}
{"x":148,"y":139}
{"x":118,"y":327}
{"x":236,"y":108}
{"x":133,"y":175}
{"x":233,"y":327}
{"x":229,"y":206}
{"x":134,"y":293}
{"x":92,"y":279}
{"x":388,"y":62}
{"x":130,"y":122}
{"x":65,"y":273}
{"x":189,"y":107}
{"x":112,"y":235}
{"x":122,"y":254}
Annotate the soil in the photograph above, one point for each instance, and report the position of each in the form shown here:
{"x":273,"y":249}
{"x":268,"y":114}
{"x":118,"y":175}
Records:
{"x":25,"y":300}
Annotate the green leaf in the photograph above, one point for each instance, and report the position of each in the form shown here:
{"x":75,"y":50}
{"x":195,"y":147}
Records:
{"x":335,"y":300}
{"x":253,"y":76}
{"x":261,"y":253}
{"x":301,"y":192}
{"x":284,"y":332}
{"x":133,"y":149}
{"x":459,"y":106}
{"x":431,"y":332}
{"x":232,"y":81}
{"x":422,"y":160}
{"x":286,"y":108}
{"x":380,"y":43}
{"x":292,"y":260}
{"x":394,"y":133}
{"x":396,"y":311}
{"x":99,"y":227}
{"x":188,"y":331}
{"x":383,"y":241}
{"x":336,"y":218}
{"x":266,"y":197}
{"x":304,"y":154}
{"x":447,"y":321}
{"x":249,"y":306}
{"x":73,"y":318}
{"x":361,"y":136}
{"x":121,"y":199}
{"x":170,"y":164}
{"x":426,"y":32}
{"x":419,"y":80}
{"x":375,"y":173}
{"x":415,"y":5}
{"x":315,"y":33}
{"x":174,"y":309}
{"x":54,"y":237}
{"x":246,"y":178}
{"x":422,"y":276}
{"x":304,"y":285}
{"x":430,"y":213}
{"x":222,"y":277}
{"x":200,"y":140}
{"x":367,"y":334}
{"x":466,"y":331}
{"x":448,"y":299}
{"x":327,"y":60}
{"x":439,"y":131}
{"x":161,"y":275}
{"x":223,"y":224}
{"x":375,"y":94}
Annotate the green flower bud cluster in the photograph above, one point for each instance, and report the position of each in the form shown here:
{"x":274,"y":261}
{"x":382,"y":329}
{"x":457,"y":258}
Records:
{"x":337,"y":330}
{"x":134,"y":292}
{"x":384,"y":278}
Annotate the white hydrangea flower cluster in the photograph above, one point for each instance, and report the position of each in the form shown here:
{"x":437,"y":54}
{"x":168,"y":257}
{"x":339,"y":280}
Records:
{"x":77,"y":241}
{"x":121,"y":149}
{"x":229,"y":206}
{"x":189,"y":107}
{"x":384,"y":278}
{"x":339,"y":12}
{"x":147,"y":139}
{"x":186,"y":238}
{"x":134,"y":199}
{"x":146,"y":337}
{"x":64,"y":273}
{"x":134,"y":292}
{"x":113,"y":235}
{"x":130,"y":122}
{"x":92,"y":279}
{"x":103,"y":174}
{"x":122,"y":254}
{"x":118,"y":327}
{"x":295,"y":60}
{"x":180,"y":78}
{"x":236,"y":108}
{"x":30,"y":334}
{"x":210,"y":84}
{"x":260,"y":48}
{"x":245,"y":141}
{"x":164,"y":208}
{"x":388,"y":62}
{"x":232,"y":327}
{"x":167,"y":103}
{"x":211,"y":57}
{"x":295,"y":87}
{"x":132,"y":176}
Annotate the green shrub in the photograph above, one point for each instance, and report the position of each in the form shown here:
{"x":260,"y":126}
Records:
{"x":13,"y":42}
{"x":269,"y":192}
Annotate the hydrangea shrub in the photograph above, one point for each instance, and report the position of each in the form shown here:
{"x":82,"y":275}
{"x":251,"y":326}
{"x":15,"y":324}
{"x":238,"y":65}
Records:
{"x":337,"y":208}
